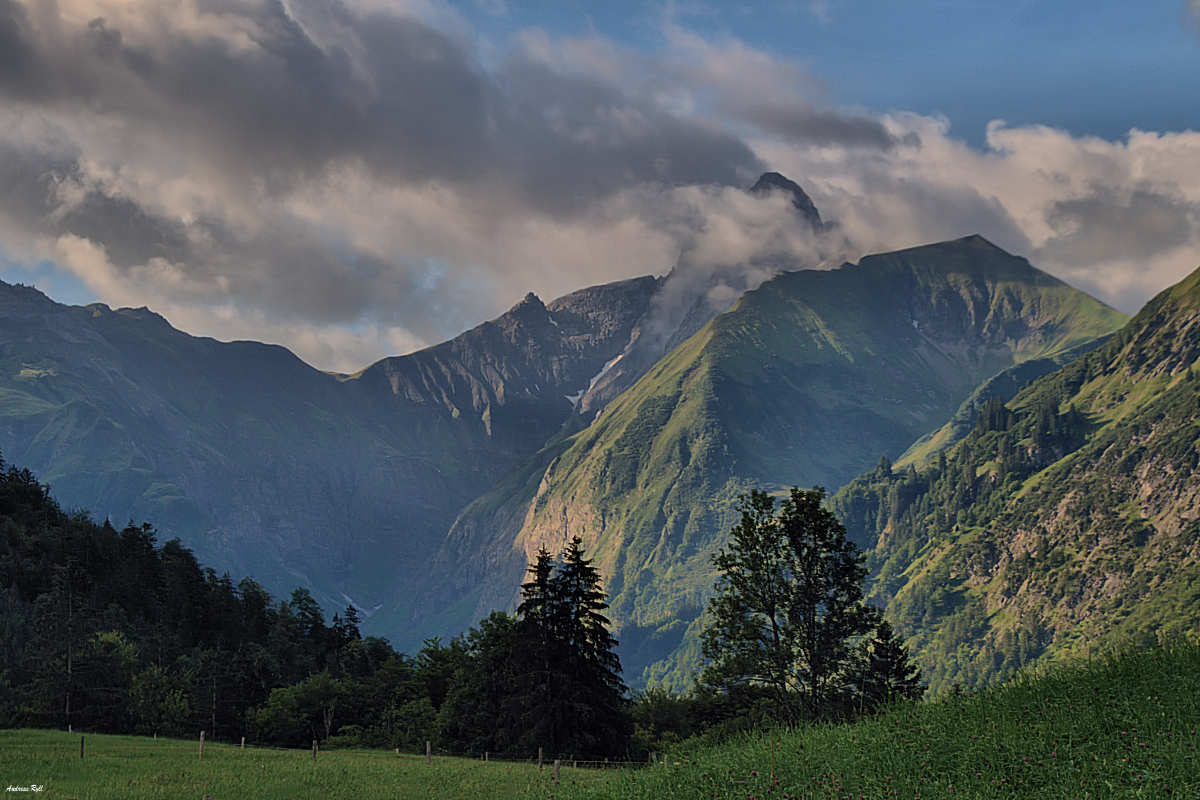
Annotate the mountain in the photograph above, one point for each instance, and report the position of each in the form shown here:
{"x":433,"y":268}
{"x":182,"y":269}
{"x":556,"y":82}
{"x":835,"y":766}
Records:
{"x":265,"y":466}
{"x":632,"y":414}
{"x":268,"y":467}
{"x":1068,"y":517}
{"x":806,"y":380}
{"x":691,"y":295}
{"x":770,"y":182}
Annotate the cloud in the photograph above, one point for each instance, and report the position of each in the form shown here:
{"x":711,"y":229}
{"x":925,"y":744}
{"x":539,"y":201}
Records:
{"x":328,"y":163}
{"x":1120,"y":220}
{"x":351,"y":179}
{"x":774,"y":95}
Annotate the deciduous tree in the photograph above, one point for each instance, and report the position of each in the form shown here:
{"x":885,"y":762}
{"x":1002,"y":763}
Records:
{"x":789,"y":603}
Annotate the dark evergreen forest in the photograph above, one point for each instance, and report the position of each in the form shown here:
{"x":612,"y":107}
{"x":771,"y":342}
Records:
{"x":110,"y":631}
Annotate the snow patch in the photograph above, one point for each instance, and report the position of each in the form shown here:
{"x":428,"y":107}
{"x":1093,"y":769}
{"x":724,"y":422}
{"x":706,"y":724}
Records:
{"x":575,"y":398}
{"x":350,"y":601}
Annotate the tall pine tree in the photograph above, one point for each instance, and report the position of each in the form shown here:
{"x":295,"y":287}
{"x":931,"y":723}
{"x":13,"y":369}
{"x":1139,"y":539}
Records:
{"x":563,"y":691}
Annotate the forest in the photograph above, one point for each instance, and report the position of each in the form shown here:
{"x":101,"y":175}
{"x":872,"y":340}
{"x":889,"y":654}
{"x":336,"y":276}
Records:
{"x":110,"y":631}
{"x":107,"y":630}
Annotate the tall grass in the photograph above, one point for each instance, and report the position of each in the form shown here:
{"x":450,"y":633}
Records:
{"x":1123,"y":725}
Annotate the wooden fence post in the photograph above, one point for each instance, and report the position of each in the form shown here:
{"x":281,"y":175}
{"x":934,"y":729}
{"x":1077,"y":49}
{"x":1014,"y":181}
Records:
{"x":314,"y":749}
{"x":81,"y":748}
{"x":201,"y":745}
{"x":243,"y":742}
{"x":557,"y":763}
{"x":539,"y":758}
{"x":428,"y":753}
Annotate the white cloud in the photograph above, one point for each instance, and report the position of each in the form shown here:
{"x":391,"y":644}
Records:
{"x":1120,"y":220}
{"x":351,"y":181}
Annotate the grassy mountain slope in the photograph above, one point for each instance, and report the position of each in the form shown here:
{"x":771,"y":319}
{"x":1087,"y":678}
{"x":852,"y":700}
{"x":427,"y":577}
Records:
{"x":266,"y":466}
{"x":1122,"y":724}
{"x":805,"y":381}
{"x":1068,"y":518}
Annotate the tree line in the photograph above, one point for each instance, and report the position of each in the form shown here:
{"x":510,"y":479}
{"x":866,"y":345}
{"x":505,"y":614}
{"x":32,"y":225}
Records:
{"x":107,"y":630}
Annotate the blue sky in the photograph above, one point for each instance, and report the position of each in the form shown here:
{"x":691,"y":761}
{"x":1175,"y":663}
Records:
{"x":1092,"y":68}
{"x":359,"y":178}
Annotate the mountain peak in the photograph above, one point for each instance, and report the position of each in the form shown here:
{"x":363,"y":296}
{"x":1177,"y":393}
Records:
{"x":774,"y":182}
{"x":529,"y":301}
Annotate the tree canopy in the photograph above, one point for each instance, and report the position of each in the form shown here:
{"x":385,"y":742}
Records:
{"x":788,"y":610}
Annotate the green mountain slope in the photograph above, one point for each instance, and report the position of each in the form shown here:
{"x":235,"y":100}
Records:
{"x":265,"y":466}
{"x":1067,"y":519}
{"x":805,"y":381}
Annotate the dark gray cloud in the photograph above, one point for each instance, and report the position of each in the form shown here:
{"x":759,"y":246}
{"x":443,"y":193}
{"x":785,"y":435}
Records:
{"x":19,"y":72}
{"x":407,"y":100}
{"x":803,"y":123}
{"x":1118,"y":223}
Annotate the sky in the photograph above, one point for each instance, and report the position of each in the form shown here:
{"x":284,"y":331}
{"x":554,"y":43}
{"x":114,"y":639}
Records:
{"x":361,"y":178}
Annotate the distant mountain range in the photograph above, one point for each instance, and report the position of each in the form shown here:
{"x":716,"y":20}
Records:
{"x":268,"y":467}
{"x":419,"y":488}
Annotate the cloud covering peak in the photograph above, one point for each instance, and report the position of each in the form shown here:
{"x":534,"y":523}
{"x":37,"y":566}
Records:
{"x":355,"y":179}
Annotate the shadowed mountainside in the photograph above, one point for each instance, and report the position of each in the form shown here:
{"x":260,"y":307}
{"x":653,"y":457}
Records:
{"x":268,"y":467}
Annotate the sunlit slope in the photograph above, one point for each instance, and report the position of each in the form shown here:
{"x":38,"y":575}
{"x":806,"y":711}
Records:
{"x":1067,"y":519}
{"x":807,"y":380}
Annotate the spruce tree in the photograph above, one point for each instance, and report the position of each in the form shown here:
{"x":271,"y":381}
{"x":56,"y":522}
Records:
{"x":595,"y":699}
{"x":887,"y":674}
{"x":570,"y":694}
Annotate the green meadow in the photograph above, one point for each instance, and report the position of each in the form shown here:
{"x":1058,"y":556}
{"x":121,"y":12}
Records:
{"x":1117,"y":726}
{"x":135,"y":768}
{"x":1121,"y":725}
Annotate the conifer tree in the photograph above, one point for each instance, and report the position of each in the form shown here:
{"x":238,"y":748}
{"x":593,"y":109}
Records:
{"x":593,"y":671}
{"x":571,"y":694}
{"x":887,"y":674}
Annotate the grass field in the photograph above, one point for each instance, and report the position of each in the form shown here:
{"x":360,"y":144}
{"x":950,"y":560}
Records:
{"x":132,"y":768}
{"x":1118,"y":726}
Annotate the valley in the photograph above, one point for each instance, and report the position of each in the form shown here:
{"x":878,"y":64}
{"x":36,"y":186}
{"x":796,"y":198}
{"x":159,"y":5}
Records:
{"x":419,"y":488}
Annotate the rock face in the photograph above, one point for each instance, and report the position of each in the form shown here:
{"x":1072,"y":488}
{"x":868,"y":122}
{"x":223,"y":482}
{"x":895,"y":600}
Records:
{"x":1066,"y":522}
{"x":774,"y":182}
{"x":806,"y":381}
